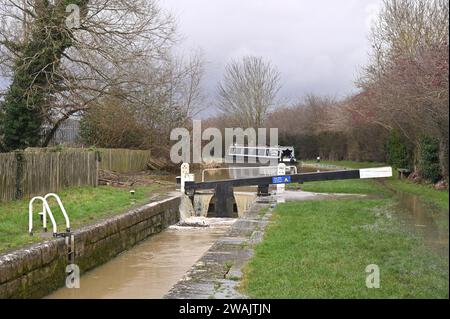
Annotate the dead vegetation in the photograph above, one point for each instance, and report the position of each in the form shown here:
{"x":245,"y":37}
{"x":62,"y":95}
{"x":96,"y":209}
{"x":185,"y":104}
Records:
{"x":126,"y":180}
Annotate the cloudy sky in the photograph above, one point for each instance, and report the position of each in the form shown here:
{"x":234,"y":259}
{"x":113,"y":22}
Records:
{"x":318,"y":46}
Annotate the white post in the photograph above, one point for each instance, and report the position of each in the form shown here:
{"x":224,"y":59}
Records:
{"x":183,"y":175}
{"x":281,"y":171}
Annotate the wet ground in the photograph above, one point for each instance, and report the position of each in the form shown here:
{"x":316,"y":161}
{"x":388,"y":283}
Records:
{"x":425,"y":220}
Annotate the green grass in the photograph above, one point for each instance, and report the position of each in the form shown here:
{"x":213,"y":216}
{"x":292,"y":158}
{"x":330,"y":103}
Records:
{"x":84,"y":205}
{"x":425,"y":191}
{"x":359,"y":186}
{"x":320,"y":249}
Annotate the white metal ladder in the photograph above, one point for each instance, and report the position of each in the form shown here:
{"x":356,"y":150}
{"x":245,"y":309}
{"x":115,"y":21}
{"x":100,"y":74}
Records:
{"x":46,"y":210}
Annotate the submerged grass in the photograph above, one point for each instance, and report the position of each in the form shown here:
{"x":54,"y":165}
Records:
{"x":424,"y":191}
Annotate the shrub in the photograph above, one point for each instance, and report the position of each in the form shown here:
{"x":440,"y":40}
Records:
{"x":398,"y":154}
{"x":428,"y":163}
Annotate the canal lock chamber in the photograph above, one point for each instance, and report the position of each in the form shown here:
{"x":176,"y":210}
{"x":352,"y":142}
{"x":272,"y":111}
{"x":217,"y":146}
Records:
{"x":202,"y":204}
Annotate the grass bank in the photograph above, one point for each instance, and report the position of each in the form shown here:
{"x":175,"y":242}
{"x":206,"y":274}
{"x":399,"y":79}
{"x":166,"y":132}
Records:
{"x":83,"y":204}
{"x":320,"y":249}
{"x":425,"y":191}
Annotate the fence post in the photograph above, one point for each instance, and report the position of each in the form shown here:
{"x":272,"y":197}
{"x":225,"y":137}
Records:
{"x":88,"y":168}
{"x":97,"y":166}
{"x":20,"y":160}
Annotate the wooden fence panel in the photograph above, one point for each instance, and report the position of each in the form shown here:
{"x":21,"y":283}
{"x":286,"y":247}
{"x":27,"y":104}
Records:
{"x":123,"y":160}
{"x":7,"y":176}
{"x":42,"y":170}
{"x":53,"y":171}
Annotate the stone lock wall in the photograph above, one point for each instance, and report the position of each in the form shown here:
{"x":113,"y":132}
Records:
{"x":36,"y":271}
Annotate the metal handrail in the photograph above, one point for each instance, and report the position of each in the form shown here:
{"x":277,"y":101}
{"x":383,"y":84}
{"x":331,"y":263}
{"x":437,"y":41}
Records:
{"x":46,"y":210}
{"x":61,"y":206}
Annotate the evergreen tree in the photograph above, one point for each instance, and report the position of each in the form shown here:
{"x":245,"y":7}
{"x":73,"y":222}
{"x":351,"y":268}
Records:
{"x":429,"y":167}
{"x":398,"y":154}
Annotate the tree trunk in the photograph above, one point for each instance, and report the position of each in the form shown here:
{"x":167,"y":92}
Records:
{"x":443,"y":157}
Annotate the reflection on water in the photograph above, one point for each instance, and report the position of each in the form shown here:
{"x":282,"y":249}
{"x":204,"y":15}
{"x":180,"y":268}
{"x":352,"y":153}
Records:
{"x":426,"y":220}
{"x":151,"y":268}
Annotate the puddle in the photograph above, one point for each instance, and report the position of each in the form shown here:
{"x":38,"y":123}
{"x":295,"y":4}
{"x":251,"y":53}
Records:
{"x":151,"y":268}
{"x":424,"y":219}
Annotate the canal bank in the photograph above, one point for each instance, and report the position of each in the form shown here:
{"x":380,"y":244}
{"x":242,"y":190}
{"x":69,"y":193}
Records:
{"x":35,"y":271}
{"x":321,"y":249}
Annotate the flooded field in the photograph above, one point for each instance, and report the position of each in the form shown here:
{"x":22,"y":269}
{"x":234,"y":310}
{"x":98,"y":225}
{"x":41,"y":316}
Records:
{"x":426,"y":220}
{"x":151,"y":268}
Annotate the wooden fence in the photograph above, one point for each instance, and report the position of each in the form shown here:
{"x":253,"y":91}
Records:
{"x":26,"y":174}
{"x":40,"y":171}
{"x":123,"y":160}
{"x":7,"y":176}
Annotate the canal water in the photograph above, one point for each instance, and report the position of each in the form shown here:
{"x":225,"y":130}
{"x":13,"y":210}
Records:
{"x":151,"y":268}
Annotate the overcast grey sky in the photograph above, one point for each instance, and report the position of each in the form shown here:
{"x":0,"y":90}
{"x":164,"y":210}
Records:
{"x":318,"y":46}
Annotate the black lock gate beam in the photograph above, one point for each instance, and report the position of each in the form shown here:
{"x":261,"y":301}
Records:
{"x":268,"y":180}
{"x":224,"y":188}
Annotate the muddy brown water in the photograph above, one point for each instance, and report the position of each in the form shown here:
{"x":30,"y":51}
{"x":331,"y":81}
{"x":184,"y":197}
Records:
{"x":149,"y":269}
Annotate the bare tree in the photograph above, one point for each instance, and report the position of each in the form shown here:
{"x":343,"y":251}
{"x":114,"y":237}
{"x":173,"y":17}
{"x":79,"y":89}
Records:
{"x":171,"y":95}
{"x":406,"y":85}
{"x":248,"y":90}
{"x":89,"y":57}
